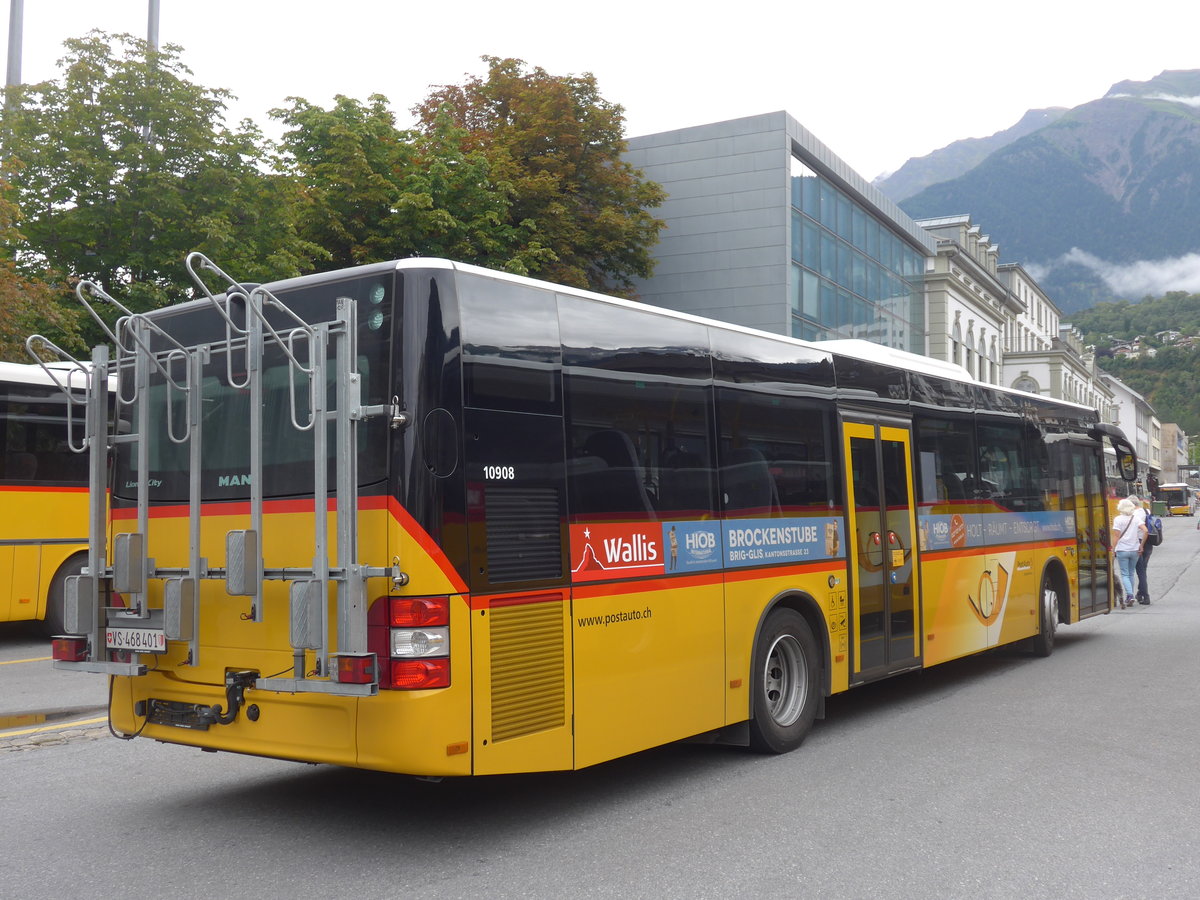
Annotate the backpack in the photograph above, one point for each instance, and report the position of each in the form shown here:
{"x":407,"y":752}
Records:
{"x":1155,"y":530}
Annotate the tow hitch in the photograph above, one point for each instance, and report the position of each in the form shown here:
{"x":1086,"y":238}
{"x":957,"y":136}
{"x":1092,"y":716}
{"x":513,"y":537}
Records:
{"x":201,"y":717}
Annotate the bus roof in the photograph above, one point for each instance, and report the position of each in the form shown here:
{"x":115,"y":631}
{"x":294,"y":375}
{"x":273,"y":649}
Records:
{"x":867,"y":351}
{"x":31,"y":373}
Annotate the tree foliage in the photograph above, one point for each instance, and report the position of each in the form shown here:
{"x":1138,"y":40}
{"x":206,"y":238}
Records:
{"x":125,"y":166}
{"x":559,"y":145}
{"x":372,"y":192}
{"x":122,"y":165}
{"x":1169,"y":380}
{"x":30,"y":301}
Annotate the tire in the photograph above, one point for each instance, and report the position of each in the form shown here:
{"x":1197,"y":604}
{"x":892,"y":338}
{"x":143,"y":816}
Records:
{"x":1042,"y":643}
{"x":785,"y":683}
{"x":56,"y":598}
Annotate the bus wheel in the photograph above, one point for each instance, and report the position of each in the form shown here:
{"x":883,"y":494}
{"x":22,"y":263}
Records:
{"x":56,"y":598}
{"x":784,"y":682}
{"x":1042,"y":643}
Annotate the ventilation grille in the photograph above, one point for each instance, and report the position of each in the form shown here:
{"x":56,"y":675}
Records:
{"x":528,"y":667}
{"x":524,"y":541}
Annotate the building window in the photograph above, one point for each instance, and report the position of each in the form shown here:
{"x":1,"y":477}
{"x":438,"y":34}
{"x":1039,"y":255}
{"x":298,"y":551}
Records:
{"x":856,"y":278}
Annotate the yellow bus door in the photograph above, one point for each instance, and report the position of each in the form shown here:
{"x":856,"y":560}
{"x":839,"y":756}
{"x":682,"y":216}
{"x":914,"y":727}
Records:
{"x":1091,"y":528}
{"x":882,"y":529}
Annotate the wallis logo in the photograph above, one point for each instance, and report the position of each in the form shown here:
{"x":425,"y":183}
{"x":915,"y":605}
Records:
{"x":637,"y":549}
{"x":625,"y":550}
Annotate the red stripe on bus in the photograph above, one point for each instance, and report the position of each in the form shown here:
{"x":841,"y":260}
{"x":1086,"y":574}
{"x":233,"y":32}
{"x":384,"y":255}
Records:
{"x":275,"y":507}
{"x":426,"y":543}
{"x":662,"y":583}
{"x":42,"y":489}
{"x":242,"y":508}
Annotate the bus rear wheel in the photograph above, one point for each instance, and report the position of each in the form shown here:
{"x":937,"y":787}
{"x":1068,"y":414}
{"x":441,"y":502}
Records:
{"x":785,"y":683}
{"x":56,"y":598}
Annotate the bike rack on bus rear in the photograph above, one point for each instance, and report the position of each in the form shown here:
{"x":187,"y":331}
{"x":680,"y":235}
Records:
{"x":245,"y":572}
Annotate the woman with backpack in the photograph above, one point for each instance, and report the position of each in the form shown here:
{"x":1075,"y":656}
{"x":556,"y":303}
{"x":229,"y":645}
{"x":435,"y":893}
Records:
{"x":1128,"y":535}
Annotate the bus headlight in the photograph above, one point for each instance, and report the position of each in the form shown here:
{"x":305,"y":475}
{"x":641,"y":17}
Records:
{"x":413,"y":643}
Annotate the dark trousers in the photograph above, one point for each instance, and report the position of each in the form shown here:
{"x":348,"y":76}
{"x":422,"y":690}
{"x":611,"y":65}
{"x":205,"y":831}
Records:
{"x":1143,"y":591}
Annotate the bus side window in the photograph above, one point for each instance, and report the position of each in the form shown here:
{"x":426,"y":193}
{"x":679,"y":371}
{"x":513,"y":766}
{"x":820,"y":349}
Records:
{"x":639,"y":448}
{"x":947,"y":459}
{"x":608,"y":478}
{"x":768,"y":466}
{"x":685,"y":483}
{"x":20,"y":467}
{"x":1011,"y":469}
{"x":749,"y":487}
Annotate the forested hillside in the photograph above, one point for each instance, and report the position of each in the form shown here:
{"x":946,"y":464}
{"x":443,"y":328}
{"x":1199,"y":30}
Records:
{"x":1169,"y":380}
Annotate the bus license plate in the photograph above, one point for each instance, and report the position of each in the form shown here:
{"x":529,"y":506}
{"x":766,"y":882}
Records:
{"x":137,"y":640}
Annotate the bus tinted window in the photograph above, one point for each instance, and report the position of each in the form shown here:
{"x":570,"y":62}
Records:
{"x":1011,"y":472}
{"x":946,"y":459}
{"x":33,"y":444}
{"x":638,"y":449}
{"x":595,"y":336}
{"x":860,"y":379}
{"x":225,"y":409}
{"x":511,"y":353}
{"x":771,"y":465}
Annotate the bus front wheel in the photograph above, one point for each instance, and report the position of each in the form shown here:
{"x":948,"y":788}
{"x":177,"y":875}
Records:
{"x":1042,"y":643}
{"x":785,"y":683}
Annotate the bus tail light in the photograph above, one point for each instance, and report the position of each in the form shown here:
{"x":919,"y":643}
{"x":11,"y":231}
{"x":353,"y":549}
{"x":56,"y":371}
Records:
{"x":411,"y":636}
{"x":419,"y":674}
{"x":69,"y":649}
{"x":356,"y":669}
{"x":417,"y":612}
{"x":409,"y":643}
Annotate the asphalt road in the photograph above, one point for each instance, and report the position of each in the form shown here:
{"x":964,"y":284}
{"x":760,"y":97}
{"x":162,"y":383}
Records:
{"x":998,"y":776}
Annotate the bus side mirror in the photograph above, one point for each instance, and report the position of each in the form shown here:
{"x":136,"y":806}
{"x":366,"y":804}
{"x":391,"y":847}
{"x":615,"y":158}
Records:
{"x":1128,"y":464}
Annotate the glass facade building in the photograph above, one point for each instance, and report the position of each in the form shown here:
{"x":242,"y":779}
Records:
{"x":851,"y":276}
{"x":766,"y":227}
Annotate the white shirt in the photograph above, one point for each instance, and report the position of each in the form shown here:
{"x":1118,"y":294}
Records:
{"x":1132,"y":538}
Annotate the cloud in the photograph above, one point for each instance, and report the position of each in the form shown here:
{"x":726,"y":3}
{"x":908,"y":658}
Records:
{"x":1172,"y":98}
{"x":1133,"y":280}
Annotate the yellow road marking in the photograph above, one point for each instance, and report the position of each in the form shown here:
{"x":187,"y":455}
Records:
{"x":13,"y":662}
{"x":60,"y":727}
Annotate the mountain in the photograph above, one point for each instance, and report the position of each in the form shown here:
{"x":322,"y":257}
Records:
{"x":1099,"y":203}
{"x":960,"y":157}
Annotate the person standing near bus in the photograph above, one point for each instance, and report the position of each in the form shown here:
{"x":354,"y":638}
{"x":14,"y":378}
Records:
{"x":1128,"y":535}
{"x":1152,"y":524}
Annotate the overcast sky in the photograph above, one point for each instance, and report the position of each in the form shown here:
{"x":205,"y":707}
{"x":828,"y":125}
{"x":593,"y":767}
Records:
{"x":878,"y":81}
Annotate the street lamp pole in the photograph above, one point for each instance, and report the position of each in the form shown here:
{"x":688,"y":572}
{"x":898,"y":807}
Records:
{"x":16,"y":17}
{"x":151,"y":25}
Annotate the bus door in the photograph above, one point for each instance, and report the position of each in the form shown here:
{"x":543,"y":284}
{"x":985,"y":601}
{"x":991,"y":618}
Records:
{"x":881,"y":528}
{"x":1084,"y":482}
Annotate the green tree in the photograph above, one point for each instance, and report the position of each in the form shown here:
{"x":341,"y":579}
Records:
{"x":372,"y":192}
{"x":30,"y":300}
{"x":559,"y":145}
{"x":126,"y":166}
{"x":346,"y":161}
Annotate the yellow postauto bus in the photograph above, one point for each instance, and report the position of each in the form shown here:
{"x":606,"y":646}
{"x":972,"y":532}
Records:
{"x":428,"y":518}
{"x":1178,"y":497}
{"x":43,"y":494}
